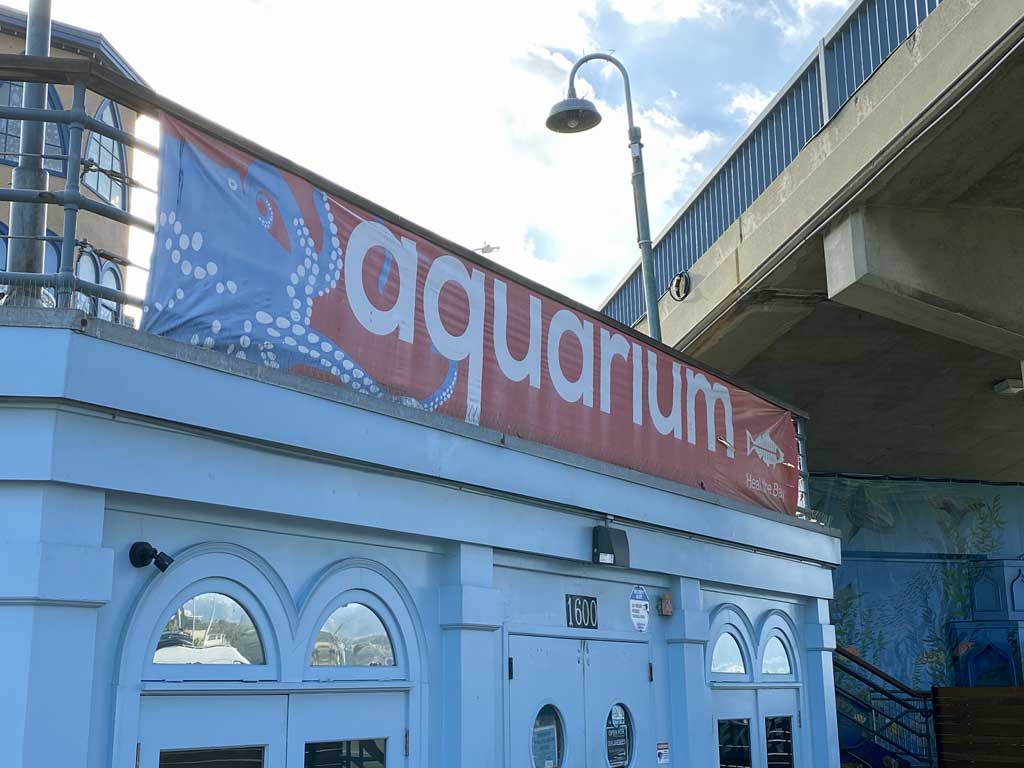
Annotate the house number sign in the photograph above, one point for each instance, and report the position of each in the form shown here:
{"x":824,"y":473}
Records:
{"x":581,"y":611}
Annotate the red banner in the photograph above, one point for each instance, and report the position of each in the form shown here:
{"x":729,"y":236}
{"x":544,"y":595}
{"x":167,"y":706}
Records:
{"x":324,"y":288}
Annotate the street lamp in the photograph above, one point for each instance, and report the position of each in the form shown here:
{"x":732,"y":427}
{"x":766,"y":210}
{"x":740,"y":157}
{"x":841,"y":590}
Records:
{"x":573,"y":115}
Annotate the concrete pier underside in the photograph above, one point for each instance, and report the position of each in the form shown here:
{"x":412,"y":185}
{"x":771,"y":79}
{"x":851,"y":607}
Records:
{"x":877,"y":282}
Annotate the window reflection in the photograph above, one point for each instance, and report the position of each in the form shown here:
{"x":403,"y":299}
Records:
{"x":727,"y":657}
{"x":109,"y":310}
{"x":776,"y":660}
{"x":357,"y":753}
{"x":778,"y":733}
{"x":224,"y":757}
{"x":209,"y":629}
{"x":87,"y":271}
{"x":734,"y":744}
{"x":353,"y":636}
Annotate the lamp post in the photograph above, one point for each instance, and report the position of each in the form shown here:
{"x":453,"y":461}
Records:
{"x":573,"y":115}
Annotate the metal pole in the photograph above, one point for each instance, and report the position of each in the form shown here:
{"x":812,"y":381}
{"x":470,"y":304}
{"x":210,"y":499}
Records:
{"x":643,"y":230}
{"x":65,"y":280}
{"x":28,"y":220}
{"x":643,"y":224}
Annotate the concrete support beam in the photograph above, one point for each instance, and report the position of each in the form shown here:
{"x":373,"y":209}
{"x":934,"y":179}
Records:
{"x":55,"y":577}
{"x":943,"y":271}
{"x":471,"y":615}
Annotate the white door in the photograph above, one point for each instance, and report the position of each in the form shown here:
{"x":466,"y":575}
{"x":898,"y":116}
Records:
{"x":779,"y":719}
{"x":546,"y":716}
{"x":347,"y":730}
{"x":242,"y":731}
{"x":618,"y":704}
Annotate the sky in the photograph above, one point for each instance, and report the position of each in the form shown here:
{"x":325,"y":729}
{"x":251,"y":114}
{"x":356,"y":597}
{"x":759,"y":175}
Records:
{"x":436,"y":109}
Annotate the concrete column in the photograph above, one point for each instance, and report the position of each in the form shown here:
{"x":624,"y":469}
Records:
{"x":471,"y":691}
{"x":689,"y":694}
{"x":820,"y":641}
{"x":55,"y":577}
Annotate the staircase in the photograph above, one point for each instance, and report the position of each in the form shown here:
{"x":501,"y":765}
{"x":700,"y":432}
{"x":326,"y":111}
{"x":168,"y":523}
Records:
{"x":882,"y":722}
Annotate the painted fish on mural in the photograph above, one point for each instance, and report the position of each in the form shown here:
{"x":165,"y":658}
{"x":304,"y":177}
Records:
{"x":765,"y":449}
{"x":866,"y":512}
{"x":963,"y":648}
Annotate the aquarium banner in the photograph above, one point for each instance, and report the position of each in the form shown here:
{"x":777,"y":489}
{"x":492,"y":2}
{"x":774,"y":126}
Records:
{"x":257,"y":263}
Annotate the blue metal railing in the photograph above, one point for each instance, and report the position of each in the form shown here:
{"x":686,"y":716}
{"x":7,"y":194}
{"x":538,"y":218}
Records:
{"x":866,"y":35}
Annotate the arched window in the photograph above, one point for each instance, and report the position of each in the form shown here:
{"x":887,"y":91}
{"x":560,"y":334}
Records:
{"x":727,"y":658}
{"x":776,"y":659}
{"x":110,"y":156}
{"x":87,"y":270}
{"x":56,"y":139}
{"x":353,"y":636}
{"x":210,"y":628}
{"x":109,"y":309}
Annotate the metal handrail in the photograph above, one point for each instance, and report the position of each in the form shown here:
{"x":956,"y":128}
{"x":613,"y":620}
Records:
{"x":902,"y":688}
{"x":912,"y":720}
{"x":874,"y":734}
{"x":57,"y":281}
{"x":889,"y":719}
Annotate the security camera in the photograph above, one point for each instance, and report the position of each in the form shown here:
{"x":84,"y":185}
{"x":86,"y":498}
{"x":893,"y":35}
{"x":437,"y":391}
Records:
{"x":143,"y":553}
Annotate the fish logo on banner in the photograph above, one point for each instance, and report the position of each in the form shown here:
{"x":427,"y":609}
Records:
{"x":765,"y":449}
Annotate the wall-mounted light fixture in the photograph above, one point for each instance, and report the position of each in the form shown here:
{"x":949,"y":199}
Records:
{"x":611,"y":547}
{"x":143,"y":553}
{"x":680,"y":286}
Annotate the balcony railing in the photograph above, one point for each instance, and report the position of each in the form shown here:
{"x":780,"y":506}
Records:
{"x":857,"y":46}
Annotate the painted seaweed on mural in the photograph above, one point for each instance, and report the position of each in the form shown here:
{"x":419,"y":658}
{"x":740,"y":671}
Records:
{"x":912,"y":550}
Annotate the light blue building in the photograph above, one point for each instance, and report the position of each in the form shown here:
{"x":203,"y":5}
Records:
{"x":211,"y":562}
{"x":347,"y":573}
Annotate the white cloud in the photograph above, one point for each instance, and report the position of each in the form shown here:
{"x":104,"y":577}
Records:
{"x":796,"y":18}
{"x":747,"y":102}
{"x":667,"y":11}
{"x":434,"y":110}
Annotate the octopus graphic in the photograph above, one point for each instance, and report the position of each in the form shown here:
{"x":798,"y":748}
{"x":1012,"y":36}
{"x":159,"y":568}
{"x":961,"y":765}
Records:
{"x":237,"y":267}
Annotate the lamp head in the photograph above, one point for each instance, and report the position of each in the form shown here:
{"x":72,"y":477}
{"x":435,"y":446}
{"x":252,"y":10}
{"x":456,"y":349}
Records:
{"x":142,"y":553}
{"x":573,"y":115}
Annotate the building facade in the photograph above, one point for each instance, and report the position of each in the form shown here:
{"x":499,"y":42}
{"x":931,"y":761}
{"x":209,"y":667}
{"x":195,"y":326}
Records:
{"x":361,"y":585}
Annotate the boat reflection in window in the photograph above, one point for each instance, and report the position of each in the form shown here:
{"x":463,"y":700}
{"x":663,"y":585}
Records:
{"x":209,"y":629}
{"x":353,"y":636}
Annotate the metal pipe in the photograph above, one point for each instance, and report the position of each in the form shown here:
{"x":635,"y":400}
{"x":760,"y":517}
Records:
{"x":28,"y":220}
{"x":71,"y":116}
{"x":49,"y":280}
{"x":106,"y":210}
{"x":65,"y":281}
{"x":643,"y":224}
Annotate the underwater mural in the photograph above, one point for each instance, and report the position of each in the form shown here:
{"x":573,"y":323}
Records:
{"x":912,"y":551}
